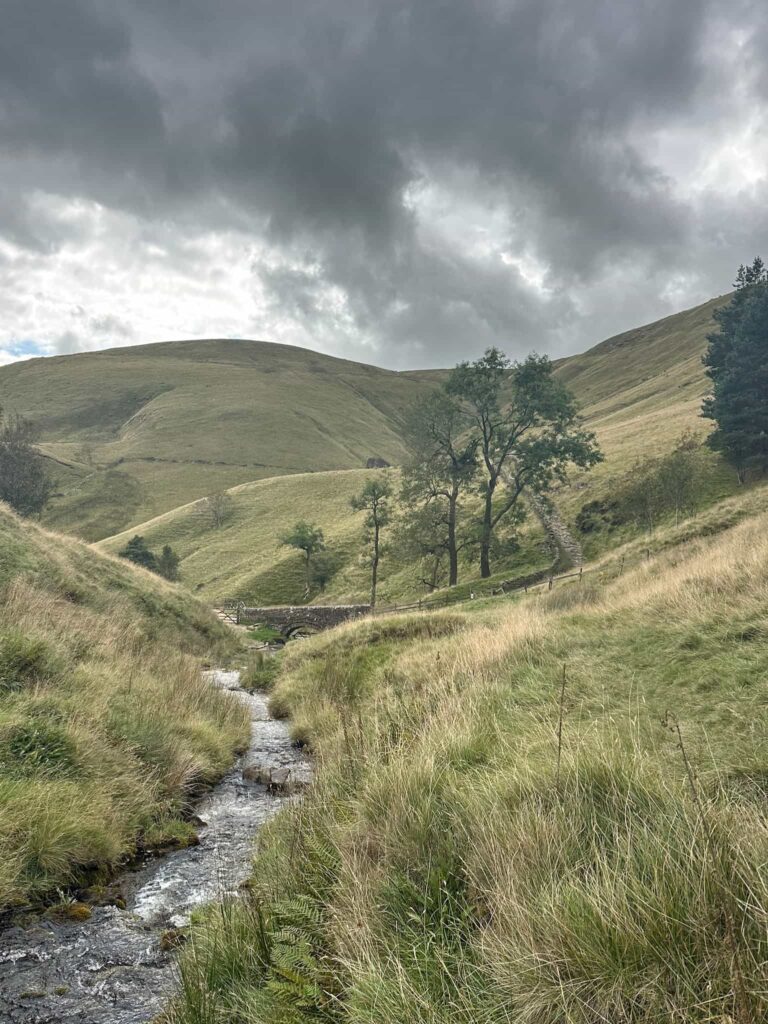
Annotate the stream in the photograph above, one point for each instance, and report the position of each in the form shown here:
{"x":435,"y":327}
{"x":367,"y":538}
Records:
{"x":111,"y":969}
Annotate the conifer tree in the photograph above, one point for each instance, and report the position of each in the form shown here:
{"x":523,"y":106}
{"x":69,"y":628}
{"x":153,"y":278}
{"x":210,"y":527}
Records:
{"x":737,"y":365}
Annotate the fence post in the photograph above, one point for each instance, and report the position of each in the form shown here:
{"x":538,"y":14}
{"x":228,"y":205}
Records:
{"x":581,"y":572}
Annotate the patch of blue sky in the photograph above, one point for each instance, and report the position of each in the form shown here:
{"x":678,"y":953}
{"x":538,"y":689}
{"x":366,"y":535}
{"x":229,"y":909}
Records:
{"x":25,"y":347}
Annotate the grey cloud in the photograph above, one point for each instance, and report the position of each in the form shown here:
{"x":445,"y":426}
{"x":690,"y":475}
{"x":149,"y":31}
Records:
{"x":313,"y":125}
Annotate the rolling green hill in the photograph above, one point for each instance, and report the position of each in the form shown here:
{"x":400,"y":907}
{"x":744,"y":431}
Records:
{"x":640,"y":391}
{"x":136,"y":431}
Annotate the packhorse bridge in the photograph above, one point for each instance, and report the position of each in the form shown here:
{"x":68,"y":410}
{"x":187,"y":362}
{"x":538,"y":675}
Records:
{"x":290,"y":619}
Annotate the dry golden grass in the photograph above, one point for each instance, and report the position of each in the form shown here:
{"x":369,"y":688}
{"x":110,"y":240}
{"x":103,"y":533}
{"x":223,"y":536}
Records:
{"x":453,"y":866}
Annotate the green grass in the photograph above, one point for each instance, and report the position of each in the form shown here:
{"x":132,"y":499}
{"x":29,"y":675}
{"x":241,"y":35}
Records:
{"x":185,"y":419}
{"x":449,"y":865}
{"x":640,"y":391}
{"x":245,"y":559}
{"x":106,"y":728}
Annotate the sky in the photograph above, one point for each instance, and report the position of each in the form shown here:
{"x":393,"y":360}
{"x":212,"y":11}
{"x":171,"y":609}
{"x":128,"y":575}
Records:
{"x":402,"y":182}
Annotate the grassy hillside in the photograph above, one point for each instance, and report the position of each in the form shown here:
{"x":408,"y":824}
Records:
{"x":137,"y":431}
{"x":550,"y":810}
{"x":244,"y":558}
{"x":640,"y":391}
{"x":105,"y":726}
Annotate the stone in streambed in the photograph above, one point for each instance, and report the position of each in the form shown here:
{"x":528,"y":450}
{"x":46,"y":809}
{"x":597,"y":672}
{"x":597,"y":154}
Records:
{"x":257,"y":773}
{"x":280,"y":780}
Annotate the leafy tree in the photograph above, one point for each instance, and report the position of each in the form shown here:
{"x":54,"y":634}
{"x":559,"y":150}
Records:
{"x":307,"y":538}
{"x":215,"y":509}
{"x":422,"y":539}
{"x":737,"y":365}
{"x":136,"y":550}
{"x":24,"y":481}
{"x":375,"y":500}
{"x":325,"y":565}
{"x":680,"y":476}
{"x":641,"y":497}
{"x":654,"y":488}
{"x":168,"y":563}
{"x":528,"y":432}
{"x":442,"y":465}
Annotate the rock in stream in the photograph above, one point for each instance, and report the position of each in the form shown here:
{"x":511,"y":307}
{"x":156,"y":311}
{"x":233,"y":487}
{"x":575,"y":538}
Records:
{"x":113,"y":968}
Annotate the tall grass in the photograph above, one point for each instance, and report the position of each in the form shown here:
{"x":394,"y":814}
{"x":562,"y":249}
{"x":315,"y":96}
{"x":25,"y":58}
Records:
{"x":105,"y":730}
{"x":462,"y":876}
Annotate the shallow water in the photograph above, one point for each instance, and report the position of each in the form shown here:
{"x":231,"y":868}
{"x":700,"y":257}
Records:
{"x":110,"y":969}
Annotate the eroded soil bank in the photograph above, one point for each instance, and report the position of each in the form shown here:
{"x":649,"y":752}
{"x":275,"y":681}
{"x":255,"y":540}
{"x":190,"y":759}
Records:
{"x":114,"y":968}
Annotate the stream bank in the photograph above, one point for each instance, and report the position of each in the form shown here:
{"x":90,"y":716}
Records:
{"x":114,"y":968}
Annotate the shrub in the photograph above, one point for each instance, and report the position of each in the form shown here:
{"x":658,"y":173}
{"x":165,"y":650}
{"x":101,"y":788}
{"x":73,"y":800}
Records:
{"x":261,"y":672}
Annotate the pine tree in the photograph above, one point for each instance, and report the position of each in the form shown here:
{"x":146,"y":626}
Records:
{"x":737,"y":365}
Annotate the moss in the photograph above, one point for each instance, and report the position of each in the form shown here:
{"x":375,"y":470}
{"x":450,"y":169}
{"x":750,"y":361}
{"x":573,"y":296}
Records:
{"x":169,"y":834}
{"x":69,"y":911}
{"x":172,"y":939}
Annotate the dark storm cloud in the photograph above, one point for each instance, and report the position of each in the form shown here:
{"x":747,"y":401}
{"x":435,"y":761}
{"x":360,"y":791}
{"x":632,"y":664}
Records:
{"x":363,"y":142}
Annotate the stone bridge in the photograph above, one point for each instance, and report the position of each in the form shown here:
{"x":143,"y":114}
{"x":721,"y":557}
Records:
{"x":296,"y":618}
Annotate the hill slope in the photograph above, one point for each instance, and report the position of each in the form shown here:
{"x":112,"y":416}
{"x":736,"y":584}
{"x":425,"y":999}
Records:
{"x":137,"y":431}
{"x":640,"y":391}
{"x":510,"y":824}
{"x":134,"y":432}
{"x":105,"y":726}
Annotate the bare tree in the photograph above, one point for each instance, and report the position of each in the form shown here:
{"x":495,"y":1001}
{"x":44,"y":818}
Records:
{"x":215,"y":509}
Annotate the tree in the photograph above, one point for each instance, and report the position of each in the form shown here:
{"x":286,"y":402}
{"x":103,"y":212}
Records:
{"x":641,"y":497}
{"x":308,"y":539}
{"x":168,"y":563}
{"x":657,"y":487}
{"x":215,"y":509}
{"x":442,"y":465}
{"x":325,"y":565}
{"x":680,"y":475}
{"x":422,"y":541}
{"x":528,"y":432}
{"x":737,"y":364}
{"x":24,"y":481}
{"x":375,"y":500}
{"x":136,"y":551}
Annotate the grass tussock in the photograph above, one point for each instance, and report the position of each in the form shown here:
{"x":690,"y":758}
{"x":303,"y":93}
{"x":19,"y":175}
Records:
{"x":551,"y":812}
{"x":104,"y":734}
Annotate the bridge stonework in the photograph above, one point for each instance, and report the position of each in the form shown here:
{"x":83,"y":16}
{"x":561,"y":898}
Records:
{"x":293,"y":618}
